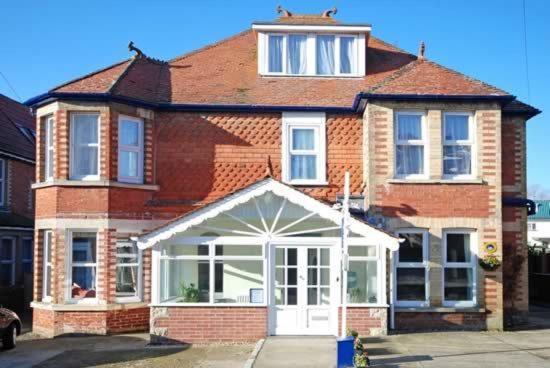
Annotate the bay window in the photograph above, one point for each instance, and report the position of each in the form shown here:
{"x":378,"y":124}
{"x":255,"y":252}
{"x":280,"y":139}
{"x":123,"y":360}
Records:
{"x":7,"y":261}
{"x":85,"y":151}
{"x":458,"y":145}
{"x":311,"y":54}
{"x":363,"y":275}
{"x":130,"y":150}
{"x":47,"y":268}
{"x":128,"y":271}
{"x":83,"y":265}
{"x":303,"y":146}
{"x":411,"y":269}
{"x":49,"y":148}
{"x":212,"y":273}
{"x":459,"y":278}
{"x":410,"y":145}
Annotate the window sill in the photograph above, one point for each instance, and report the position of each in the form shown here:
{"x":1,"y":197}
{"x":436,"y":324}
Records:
{"x":86,"y":307}
{"x":307,"y":184}
{"x":93,"y":183}
{"x":311,"y":76}
{"x":208,"y":305}
{"x":435,"y":181}
{"x":439,"y":310}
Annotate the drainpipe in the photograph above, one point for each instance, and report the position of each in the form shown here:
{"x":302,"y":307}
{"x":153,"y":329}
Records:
{"x":344,"y":265}
{"x":392,"y":307}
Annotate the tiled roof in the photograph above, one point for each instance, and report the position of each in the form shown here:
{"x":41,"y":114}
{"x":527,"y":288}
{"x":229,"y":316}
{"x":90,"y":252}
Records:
{"x":543,"y":210}
{"x":225,"y":73}
{"x":13,"y":140}
{"x":309,"y":19}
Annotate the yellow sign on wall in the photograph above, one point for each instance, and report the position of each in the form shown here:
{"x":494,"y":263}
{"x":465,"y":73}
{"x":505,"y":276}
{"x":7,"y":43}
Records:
{"x":490,"y":247}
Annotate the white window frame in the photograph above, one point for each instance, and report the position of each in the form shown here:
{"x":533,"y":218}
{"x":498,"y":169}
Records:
{"x":10,"y":261}
{"x":72,"y":147}
{"x":27,"y":260}
{"x":471,"y":141}
{"x":425,"y":264}
{"x":311,"y":55}
{"x":139,"y":150}
{"x":315,"y":121}
{"x":472,"y":264}
{"x":70,"y":264}
{"x":49,"y":153}
{"x":47,"y":276}
{"x":3,"y":182}
{"x":211,"y":258}
{"x":379,"y":258}
{"x":412,"y":142}
{"x":139,"y":285}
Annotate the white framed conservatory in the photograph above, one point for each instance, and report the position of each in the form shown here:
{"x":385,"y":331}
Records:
{"x":272,"y":246}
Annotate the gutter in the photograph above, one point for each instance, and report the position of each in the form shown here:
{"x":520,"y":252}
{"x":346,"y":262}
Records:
{"x":521,"y":202}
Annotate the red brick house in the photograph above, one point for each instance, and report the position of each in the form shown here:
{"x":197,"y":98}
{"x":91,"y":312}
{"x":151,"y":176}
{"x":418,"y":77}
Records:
{"x":197,"y":197}
{"x":17,"y":142}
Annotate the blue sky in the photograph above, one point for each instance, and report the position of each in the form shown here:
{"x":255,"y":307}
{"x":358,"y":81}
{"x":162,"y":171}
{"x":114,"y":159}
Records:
{"x":44,"y":43}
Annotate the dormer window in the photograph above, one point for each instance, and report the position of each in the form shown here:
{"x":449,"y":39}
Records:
{"x":311,"y":54}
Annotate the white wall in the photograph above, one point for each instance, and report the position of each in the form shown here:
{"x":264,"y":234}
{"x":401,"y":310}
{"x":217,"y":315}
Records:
{"x":542,"y":231}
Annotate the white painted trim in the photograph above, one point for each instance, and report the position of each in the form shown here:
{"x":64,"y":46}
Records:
{"x":310,"y":28}
{"x":69,"y":268}
{"x":47,"y":237}
{"x":93,"y":183}
{"x":49,"y":150}
{"x":139,"y":149}
{"x":472,"y":264}
{"x":139,"y":285}
{"x":72,"y":146}
{"x":424,"y":142}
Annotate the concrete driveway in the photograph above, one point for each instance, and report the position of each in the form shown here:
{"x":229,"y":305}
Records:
{"x":129,"y":350}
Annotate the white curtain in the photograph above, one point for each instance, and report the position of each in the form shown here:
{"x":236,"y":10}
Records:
{"x":297,"y":51}
{"x":457,"y":160}
{"x":325,"y":55}
{"x":347,"y":55}
{"x":456,"y":127}
{"x":409,"y":127}
{"x":275,"y":54}
{"x":410,"y":160}
{"x":85,"y":143}
{"x":303,"y":139}
{"x":303,"y":167}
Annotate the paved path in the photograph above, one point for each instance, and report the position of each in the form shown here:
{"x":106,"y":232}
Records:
{"x":297,"y":352}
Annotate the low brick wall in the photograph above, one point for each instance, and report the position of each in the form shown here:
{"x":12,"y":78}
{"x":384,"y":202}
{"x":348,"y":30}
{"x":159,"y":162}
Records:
{"x":366,"y":321}
{"x":54,"y":323}
{"x":207,"y":324}
{"x":427,"y":321}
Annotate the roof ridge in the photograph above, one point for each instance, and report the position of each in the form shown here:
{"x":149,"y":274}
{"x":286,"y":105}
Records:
{"x":116,"y":82}
{"x":89,"y":75}
{"x":209,"y":46}
{"x":391,"y":45}
{"x":398,"y":73}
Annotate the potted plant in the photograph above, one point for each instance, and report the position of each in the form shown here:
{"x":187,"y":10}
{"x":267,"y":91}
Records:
{"x":360,"y":357}
{"x":189,"y":294}
{"x":490,"y":262}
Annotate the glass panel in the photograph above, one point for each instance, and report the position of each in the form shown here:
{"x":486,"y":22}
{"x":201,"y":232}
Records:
{"x":347,"y":55}
{"x":128,"y":163}
{"x":303,"y":139}
{"x":126,"y":252}
{"x":297,"y":54}
{"x":85,"y":128}
{"x":279,"y":256}
{"x":238,"y":250}
{"x":303,"y":167}
{"x":237,"y":279}
{"x":279,"y":276}
{"x":48,"y":280}
{"x":84,"y":248}
{"x":457,"y":160}
{"x":362,"y":251}
{"x":411,"y":250}
{"x":185,"y":250}
{"x":312,"y":296}
{"x":458,"y":248}
{"x":312,"y":257}
{"x":275,"y":63}
{"x":459,"y":284}
{"x":27,"y":249}
{"x":83,"y":282}
{"x":411,"y":284}
{"x":129,"y":133}
{"x":184,"y":281}
{"x":312,"y":276}
{"x":409,"y":127}
{"x":292,"y":278}
{"x":126,"y":280}
{"x":362,"y":282}
{"x":325,"y":276}
{"x":279,"y":296}
{"x":292,"y":254}
{"x":456,"y":127}
{"x":410,"y":160}
{"x":292,"y":296}
{"x":325,"y":296}
{"x":325,"y":257}
{"x":6,"y":252}
{"x":85,"y":160}
{"x":325,"y":55}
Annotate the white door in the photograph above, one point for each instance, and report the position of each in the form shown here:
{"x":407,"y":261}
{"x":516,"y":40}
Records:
{"x":302,"y":291}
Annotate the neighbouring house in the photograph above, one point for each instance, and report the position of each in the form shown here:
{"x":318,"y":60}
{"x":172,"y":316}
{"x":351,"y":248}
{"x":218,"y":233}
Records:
{"x":538,"y":236}
{"x":199,"y":198}
{"x":17,"y":144}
